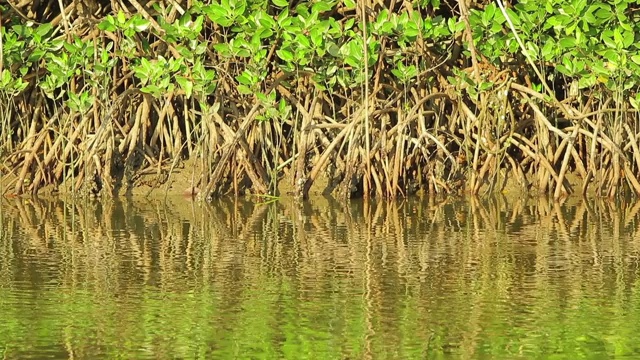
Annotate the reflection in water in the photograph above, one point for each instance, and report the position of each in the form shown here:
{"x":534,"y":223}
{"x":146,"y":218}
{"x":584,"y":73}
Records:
{"x":412,"y":279}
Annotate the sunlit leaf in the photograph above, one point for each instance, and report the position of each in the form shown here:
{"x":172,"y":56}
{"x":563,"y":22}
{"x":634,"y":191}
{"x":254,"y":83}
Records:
{"x":285,"y":55}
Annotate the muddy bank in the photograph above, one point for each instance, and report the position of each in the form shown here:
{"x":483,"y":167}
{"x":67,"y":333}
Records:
{"x":182,"y":182}
{"x":179,"y":181}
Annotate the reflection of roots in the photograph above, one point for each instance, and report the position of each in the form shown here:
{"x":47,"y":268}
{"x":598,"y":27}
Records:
{"x":236,"y":245}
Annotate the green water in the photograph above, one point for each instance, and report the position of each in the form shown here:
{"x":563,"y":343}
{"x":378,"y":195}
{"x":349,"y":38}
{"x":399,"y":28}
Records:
{"x":419,"y":279}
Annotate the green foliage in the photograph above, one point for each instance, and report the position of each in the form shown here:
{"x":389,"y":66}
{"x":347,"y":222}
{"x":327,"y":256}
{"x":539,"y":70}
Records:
{"x":10,"y":85}
{"x":593,"y":43}
{"x":129,"y":26}
{"x":404,"y":73}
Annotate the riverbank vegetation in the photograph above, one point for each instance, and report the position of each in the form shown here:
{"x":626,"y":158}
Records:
{"x":382,"y":98}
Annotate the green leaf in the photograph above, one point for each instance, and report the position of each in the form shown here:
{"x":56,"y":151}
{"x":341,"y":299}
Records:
{"x":353,"y":62}
{"x":151,"y":89}
{"x":321,"y":6}
{"x":264,"y":33}
{"x":629,"y":83}
{"x":484,"y":86}
{"x":197,"y":25}
{"x":245,"y":90}
{"x":607,"y":38}
{"x":349,"y":24}
{"x":239,"y":10}
{"x":174,"y":64}
{"x":604,"y":13}
{"x":108,"y":24}
{"x":382,"y":18}
{"x":285,"y":55}
{"x":223,"y":48}
{"x":303,"y":41}
{"x":549,"y":50}
{"x":140,"y":24}
{"x":625,"y":25}
{"x":5,"y":79}
{"x":411,"y":30}
{"x":121,"y":18}
{"x":490,"y":11}
{"x":617,"y":37}
{"x":186,"y":85}
{"x":218,"y":14}
{"x":599,"y":68}
{"x":635,"y":102}
{"x":627,"y":38}
{"x":350,"y":4}
{"x":23,"y":31}
{"x":245,"y":78}
{"x":215,"y":11}
{"x":262,"y":97}
{"x":284,"y":15}
{"x":567,"y":42}
{"x":333,"y":49}
{"x":281,"y":3}
{"x":36,"y":55}
{"x":562,"y":69}
{"x":587,"y":81}
{"x":612,"y":56}
{"x":568,"y":64}
{"x":515,"y":18}
{"x":397,"y":73}
{"x":43,"y":29}
{"x":316,"y":36}
{"x":265,"y":20}
{"x":578,"y":66}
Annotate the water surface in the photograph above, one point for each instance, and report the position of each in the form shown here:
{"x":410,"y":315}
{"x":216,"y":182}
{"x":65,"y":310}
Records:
{"x":417,"y":279}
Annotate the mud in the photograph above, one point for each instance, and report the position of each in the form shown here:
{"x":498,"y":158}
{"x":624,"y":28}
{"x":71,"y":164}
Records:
{"x":182,"y":181}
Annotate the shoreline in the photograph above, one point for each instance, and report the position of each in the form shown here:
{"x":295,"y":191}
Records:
{"x":180,"y":184}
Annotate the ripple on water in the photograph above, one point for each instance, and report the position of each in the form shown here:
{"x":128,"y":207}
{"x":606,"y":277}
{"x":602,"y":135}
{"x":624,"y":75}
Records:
{"x":390,"y":280}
